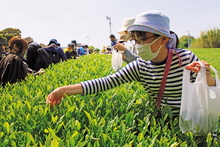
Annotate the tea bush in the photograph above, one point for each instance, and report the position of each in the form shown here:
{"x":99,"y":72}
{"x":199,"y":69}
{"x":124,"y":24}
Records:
{"x":123,"y":116}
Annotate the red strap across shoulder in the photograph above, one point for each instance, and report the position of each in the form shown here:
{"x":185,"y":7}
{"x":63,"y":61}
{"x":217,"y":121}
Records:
{"x":164,"y":79}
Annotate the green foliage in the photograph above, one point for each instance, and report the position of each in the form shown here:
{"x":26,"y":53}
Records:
{"x":123,"y":116}
{"x":184,"y":41}
{"x":210,"y":55}
{"x":3,"y":40}
{"x":91,"y":47}
{"x":208,"y":39}
{"x":6,"y":34}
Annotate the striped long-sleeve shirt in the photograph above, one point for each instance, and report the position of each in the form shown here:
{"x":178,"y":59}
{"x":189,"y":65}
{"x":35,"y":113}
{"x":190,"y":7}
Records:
{"x":150,"y":75}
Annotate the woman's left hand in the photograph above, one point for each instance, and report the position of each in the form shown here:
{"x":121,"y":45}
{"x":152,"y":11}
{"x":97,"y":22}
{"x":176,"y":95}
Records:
{"x":195,"y":66}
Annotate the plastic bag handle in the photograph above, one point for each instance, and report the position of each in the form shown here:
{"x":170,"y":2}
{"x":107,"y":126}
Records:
{"x":202,"y":74}
{"x":216,"y":76}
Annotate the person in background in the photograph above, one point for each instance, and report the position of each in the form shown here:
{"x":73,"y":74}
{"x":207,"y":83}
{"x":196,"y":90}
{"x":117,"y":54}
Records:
{"x":75,"y":47}
{"x":73,"y":54}
{"x":32,"y":53}
{"x":150,"y":32}
{"x":109,"y":50}
{"x":68,"y":51}
{"x":103,"y":51}
{"x":1,"y":52}
{"x":12,"y":68}
{"x":91,"y":50}
{"x":86,"y":50}
{"x":74,"y":42}
{"x":113,"y":40}
{"x":127,"y":55}
{"x":5,"y":52}
{"x":81,"y":50}
{"x":55,"y":51}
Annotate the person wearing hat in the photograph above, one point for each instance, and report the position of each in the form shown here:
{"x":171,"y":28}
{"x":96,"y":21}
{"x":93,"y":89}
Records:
{"x":150,"y":32}
{"x":68,"y":50}
{"x":131,"y":55}
{"x":12,"y":67}
{"x":55,"y":51}
{"x":75,"y":47}
{"x":125,"y":36}
{"x":74,"y":42}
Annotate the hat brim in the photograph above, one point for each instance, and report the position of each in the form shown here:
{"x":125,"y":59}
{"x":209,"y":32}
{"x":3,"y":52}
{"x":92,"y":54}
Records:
{"x":122,"y":30}
{"x":53,"y":44}
{"x":150,"y":29}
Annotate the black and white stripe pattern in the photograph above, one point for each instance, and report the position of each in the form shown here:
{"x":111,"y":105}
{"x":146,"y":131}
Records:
{"x":150,"y":75}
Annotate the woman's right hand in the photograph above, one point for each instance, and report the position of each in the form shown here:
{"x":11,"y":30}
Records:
{"x":54,"y":98}
{"x":120,"y":47}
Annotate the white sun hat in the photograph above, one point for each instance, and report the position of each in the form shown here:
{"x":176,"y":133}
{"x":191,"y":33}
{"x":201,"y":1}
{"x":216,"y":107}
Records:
{"x":126,"y":23}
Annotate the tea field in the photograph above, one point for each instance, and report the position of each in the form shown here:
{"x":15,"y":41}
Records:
{"x":122,"y":117}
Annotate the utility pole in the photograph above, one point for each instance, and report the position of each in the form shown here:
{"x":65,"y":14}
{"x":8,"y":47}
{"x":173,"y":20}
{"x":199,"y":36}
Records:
{"x":108,"y":18}
{"x":87,"y":40}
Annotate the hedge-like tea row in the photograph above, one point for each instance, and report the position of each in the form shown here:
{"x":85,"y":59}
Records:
{"x":122,"y":116}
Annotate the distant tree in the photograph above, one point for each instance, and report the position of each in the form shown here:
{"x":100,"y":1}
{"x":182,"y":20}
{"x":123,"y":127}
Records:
{"x":3,"y":40}
{"x":185,"y":40}
{"x":208,"y":39}
{"x":11,"y":31}
{"x":91,"y":47}
{"x":213,"y":37}
{"x":8,"y":33}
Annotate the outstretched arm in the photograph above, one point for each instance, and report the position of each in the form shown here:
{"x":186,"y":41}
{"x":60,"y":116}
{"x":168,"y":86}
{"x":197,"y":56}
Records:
{"x":54,"y":98}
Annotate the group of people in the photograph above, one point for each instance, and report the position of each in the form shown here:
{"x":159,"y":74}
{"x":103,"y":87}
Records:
{"x":24,"y":55}
{"x":153,"y":43}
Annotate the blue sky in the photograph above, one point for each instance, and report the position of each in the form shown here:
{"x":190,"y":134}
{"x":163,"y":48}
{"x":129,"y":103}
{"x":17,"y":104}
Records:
{"x":85,"y":20}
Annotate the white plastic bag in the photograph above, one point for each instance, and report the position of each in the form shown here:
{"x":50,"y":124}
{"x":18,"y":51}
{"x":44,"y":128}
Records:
{"x":116,"y":59}
{"x":200,"y":104}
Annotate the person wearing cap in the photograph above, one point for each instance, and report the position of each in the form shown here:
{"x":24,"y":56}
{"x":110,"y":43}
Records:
{"x":67,"y":51}
{"x":74,"y":42}
{"x":56,"y":51}
{"x":75,"y":47}
{"x":32,"y":53}
{"x":151,"y":32}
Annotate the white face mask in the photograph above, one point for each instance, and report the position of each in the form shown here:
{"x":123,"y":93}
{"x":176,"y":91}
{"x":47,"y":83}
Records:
{"x":145,"y":52}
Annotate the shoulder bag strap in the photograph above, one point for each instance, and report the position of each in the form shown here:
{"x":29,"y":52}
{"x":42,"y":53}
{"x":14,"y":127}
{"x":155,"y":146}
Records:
{"x":163,"y":83}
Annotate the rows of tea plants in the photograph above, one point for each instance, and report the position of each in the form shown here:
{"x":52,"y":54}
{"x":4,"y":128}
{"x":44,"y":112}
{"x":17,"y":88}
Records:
{"x":211,"y":55}
{"x":122,"y":116}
